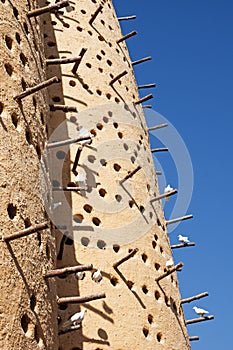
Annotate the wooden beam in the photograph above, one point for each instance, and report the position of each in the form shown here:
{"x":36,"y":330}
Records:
{"x":156,"y":127}
{"x":164,"y":195}
{"x":50,"y":8}
{"x":27,"y":231}
{"x":182,"y":218}
{"x":183,"y":245}
{"x":170,"y":271}
{"x":127,"y":36}
{"x":195,"y":297}
{"x":80,"y":299}
{"x":68,"y":270}
{"x":127,"y":257}
{"x":36,"y":88}
{"x":199,"y":319}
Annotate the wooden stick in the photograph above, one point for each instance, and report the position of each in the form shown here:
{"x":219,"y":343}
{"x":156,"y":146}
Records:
{"x":195,"y":337}
{"x":183,"y":245}
{"x":77,"y":156}
{"x":195,"y":297}
{"x":68,"y":189}
{"x":164,"y":195}
{"x":50,"y":8}
{"x":141,"y":60}
{"x":182,"y":218}
{"x":27,"y":231}
{"x":119,"y":76}
{"x":127,"y":36}
{"x":147,"y":106}
{"x":131,"y":174}
{"x":76,"y":65}
{"x":170,"y":271}
{"x":69,"y":329}
{"x":36,"y":88}
{"x":68,"y":270}
{"x":67,"y":142}
{"x":147,"y":86}
{"x":126,"y":18}
{"x":62,"y":60}
{"x":157,"y":127}
{"x":159,"y":150}
{"x":80,"y":300}
{"x":127,"y":257}
{"x":144,"y":99}
{"x":63,"y":108}
{"x":99,"y":9}
{"x":158,"y":172}
{"x":199,"y":319}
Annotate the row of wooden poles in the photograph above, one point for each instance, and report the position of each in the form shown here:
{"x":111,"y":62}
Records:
{"x":38,"y":227}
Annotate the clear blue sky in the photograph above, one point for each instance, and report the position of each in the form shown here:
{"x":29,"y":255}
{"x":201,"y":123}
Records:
{"x":192,"y":48}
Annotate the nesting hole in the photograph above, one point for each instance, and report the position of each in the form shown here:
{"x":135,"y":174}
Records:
{"x":101,"y":244}
{"x":17,"y":37}
{"x":32,"y":302}
{"x":154,"y":244}
{"x":9,"y":69}
{"x":88,"y":65}
{"x":103,"y":162}
{"x":27,"y":325}
{"x":15,"y":12}
{"x":116,"y":248}
{"x":108,"y":96}
{"x":88,"y":208}
{"x":150,"y":319}
{"x":145,"y":332}
{"x":157,"y":266}
{"x":1,"y":107}
{"x":144,"y":257}
{"x":117,"y":167}
{"x":72,"y":83}
{"x":60,"y":155}
{"x":130,"y":284}
{"x":115,"y":125}
{"x":62,"y":307}
{"x":114,"y":281}
{"x":157,"y":295}
{"x":78,"y":218}
{"x":120,"y":135}
{"x":85,"y":241}
{"x":23,"y":59}
{"x":96,"y":221}
{"x":8,"y":42}
{"x":145,"y":289}
{"x":12,"y":210}
{"x":159,"y":337}
{"x":131,"y":203}
{"x":99,"y":126}
{"x":102,"y":192}
{"x":118,"y":197}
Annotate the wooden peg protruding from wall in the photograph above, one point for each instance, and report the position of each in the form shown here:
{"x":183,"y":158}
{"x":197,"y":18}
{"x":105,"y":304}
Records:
{"x":49,"y":8}
{"x":27,"y":231}
{"x":183,"y":245}
{"x":119,"y":76}
{"x":126,"y":18}
{"x":99,"y":9}
{"x":164,"y":195}
{"x":170,"y":271}
{"x":68,"y":270}
{"x":144,"y":99}
{"x":147,"y":86}
{"x":50,"y":61}
{"x":149,"y":58}
{"x":162,"y":149}
{"x":36,"y":88}
{"x":156,"y":127}
{"x":127,"y":257}
{"x":182,"y":218}
{"x":80,"y":299}
{"x":127,"y":36}
{"x":199,"y":319}
{"x":195,"y":297}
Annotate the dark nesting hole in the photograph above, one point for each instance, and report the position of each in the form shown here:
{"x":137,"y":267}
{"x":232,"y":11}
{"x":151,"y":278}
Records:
{"x":85,"y":86}
{"x":24,"y":84}
{"x":99,"y":57}
{"x":62,"y":307}
{"x":42,"y":117}
{"x":144,"y":257}
{"x":110,"y":44}
{"x":157,"y":266}
{"x":118,"y":197}
{"x":26,"y":27}
{"x":130,"y":284}
{"x":161,"y":250}
{"x":158,"y":222}
{"x":115,"y":125}
{"x":154,"y":244}
{"x":32,"y":302}
{"x":56,"y":99}
{"x":102,"y":21}
{"x":120,"y":135}
{"x":8,"y":42}
{"x":96,"y":221}
{"x":145,"y":289}
{"x":102,"y":192}
{"x":23,"y":59}
{"x":51,"y":43}
{"x":25,"y":321}
{"x":12,"y":210}
{"x":114,"y":281}
{"x":150,"y":319}
{"x":101,"y":38}
{"x":145,"y":332}
{"x":131,"y":203}
{"x":8,"y":68}
{"x":27,"y":222}
{"x":132,"y":159}
{"x":36,"y":334}
{"x":159,"y":337}
{"x":47,"y":251}
{"x":109,"y":62}
{"x":101,"y":244}
{"x":78,"y":218}
{"x":126,"y":147}
{"x":88,"y":208}
{"x":103,"y":53}
{"x":117,"y":167}
{"x":117,"y":100}
{"x":85,"y":241}
{"x":34,"y":101}
{"x":99,"y":92}
{"x":15,"y":12}
{"x":89,"y":32}
{"x":72,"y":83}
{"x":28,"y":135}
{"x":155,"y":237}
{"x":88,"y":65}
{"x":142,"y":209}
{"x":91,"y":159}
{"x":99,"y":126}
{"x":103,"y":162}
{"x":1,"y":107}
{"x":157,"y":295}
{"x":69,"y":241}
{"x":38,"y":150}
{"x":14,"y":119}
{"x":66,"y":25}
{"x":100,"y":70}
{"x":39,"y":238}
{"x":108,"y":96}
{"x":93,"y":132}
{"x":116,"y":248}
{"x":110,"y":27}
{"x":105,"y":119}
{"x":60,"y":155}
{"x":83,"y":11}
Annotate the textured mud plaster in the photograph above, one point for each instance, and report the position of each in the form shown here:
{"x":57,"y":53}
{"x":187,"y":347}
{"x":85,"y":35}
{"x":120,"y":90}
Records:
{"x":100,"y":224}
